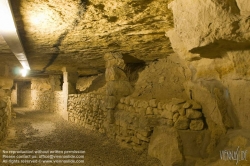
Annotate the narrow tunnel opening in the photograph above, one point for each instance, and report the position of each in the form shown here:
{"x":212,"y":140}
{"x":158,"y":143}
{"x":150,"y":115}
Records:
{"x":21,"y":94}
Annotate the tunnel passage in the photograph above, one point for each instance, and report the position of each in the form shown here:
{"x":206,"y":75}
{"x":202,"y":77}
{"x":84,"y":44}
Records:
{"x":43,"y":131}
{"x":21,"y":94}
{"x":162,"y":79}
{"x":117,"y":105}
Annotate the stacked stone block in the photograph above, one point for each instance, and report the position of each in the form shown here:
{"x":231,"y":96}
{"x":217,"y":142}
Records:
{"x":133,"y":130}
{"x":5,"y":116}
{"x":134,"y":119}
{"x":88,"y":110}
{"x":179,"y":113}
{"x":184,"y":114}
{"x":41,"y":100}
{"x":41,"y":94}
{"x":57,"y":101}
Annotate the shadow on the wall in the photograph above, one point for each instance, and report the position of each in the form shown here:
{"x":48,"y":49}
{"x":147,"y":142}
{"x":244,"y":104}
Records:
{"x":219,"y":48}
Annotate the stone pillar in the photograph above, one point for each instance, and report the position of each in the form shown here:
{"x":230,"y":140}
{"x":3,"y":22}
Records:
{"x":6,"y":84}
{"x":56,"y":87}
{"x":18,"y":91}
{"x":14,"y":95}
{"x":70,"y":77}
{"x":118,"y":84}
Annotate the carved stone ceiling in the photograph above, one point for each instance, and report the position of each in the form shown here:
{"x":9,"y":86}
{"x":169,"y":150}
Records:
{"x":77,"y":33}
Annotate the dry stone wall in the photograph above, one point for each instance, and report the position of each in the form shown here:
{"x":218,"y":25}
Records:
{"x":87,"y":110}
{"x":5,"y":116}
{"x":14,"y":96}
{"x":157,"y":109}
{"x":90,"y":110}
{"x":57,"y":101}
{"x":140,"y":120}
{"x":134,"y":119}
{"x":41,"y":100}
{"x":25,"y":94}
{"x":46,"y":94}
{"x":5,"y":105}
{"x":179,"y":113}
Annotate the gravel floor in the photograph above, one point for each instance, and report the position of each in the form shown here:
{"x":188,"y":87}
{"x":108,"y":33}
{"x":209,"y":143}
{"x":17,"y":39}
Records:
{"x":40,"y":130}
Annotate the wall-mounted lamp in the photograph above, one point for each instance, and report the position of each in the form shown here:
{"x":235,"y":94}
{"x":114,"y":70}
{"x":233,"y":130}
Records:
{"x":24,"y":72}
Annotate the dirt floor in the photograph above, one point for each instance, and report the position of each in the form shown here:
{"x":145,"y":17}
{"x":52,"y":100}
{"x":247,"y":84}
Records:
{"x":46,"y":131}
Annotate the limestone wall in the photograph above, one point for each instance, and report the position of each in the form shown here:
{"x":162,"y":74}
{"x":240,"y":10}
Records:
{"x":87,"y":110}
{"x":183,"y":105}
{"x":56,"y":101}
{"x":158,"y":108}
{"x":134,"y":119}
{"x":214,"y":43}
{"x":84,"y":83}
{"x":40,"y":94}
{"x":46,"y":94}
{"x":162,"y":79}
{"x":41,"y":100}
{"x":14,"y":96}
{"x":218,"y":59}
{"x":5,"y":115}
{"x":5,"y":105}
{"x":179,"y":113}
{"x":25,"y":94}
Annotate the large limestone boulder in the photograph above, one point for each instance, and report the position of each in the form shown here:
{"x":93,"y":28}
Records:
{"x":115,"y":73}
{"x":85,"y":82}
{"x":164,"y":145}
{"x":119,"y":88}
{"x":199,"y":24}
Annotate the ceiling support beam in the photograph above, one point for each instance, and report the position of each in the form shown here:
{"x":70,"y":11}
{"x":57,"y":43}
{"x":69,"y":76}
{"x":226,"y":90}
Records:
{"x":9,"y":33}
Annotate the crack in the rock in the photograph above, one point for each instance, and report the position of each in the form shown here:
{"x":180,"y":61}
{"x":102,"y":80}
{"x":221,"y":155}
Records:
{"x":81,"y":9}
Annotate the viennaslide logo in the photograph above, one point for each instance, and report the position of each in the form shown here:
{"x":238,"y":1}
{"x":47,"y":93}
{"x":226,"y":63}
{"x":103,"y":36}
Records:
{"x":236,"y":155}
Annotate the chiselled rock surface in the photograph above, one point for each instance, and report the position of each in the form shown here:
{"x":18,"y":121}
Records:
{"x":213,"y":38}
{"x":167,"y":151}
{"x":162,"y":80}
{"x":5,"y":116}
{"x":185,"y":74}
{"x":79,"y":33}
{"x":116,"y":78}
{"x":5,"y":106}
{"x":214,"y":25}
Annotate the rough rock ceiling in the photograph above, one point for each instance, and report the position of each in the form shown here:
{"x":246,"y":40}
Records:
{"x":77,"y":33}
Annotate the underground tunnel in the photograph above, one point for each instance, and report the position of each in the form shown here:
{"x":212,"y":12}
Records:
{"x":125,"y":83}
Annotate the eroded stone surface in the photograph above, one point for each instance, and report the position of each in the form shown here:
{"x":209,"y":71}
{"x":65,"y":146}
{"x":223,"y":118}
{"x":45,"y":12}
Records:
{"x":203,"y":88}
{"x":167,"y":151}
{"x":182,"y":123}
{"x":196,"y":125}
